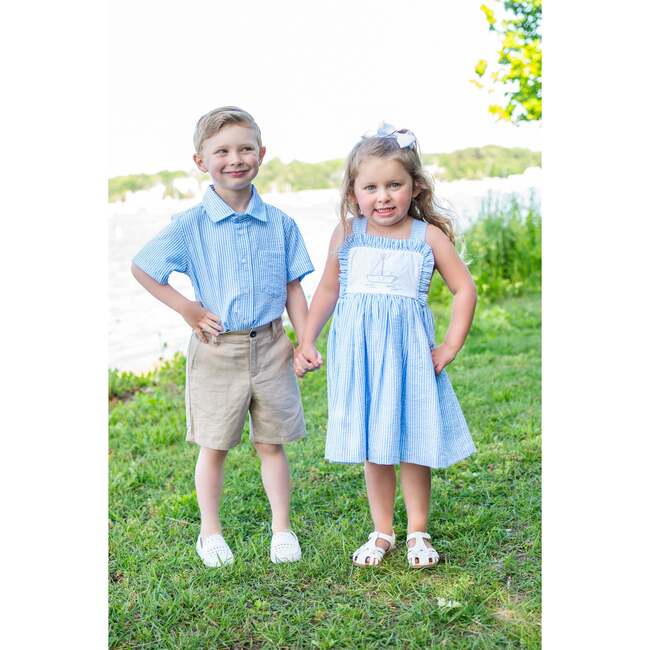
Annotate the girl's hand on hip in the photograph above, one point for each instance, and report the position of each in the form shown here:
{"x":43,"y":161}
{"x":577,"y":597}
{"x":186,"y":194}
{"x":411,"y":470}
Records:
{"x":442,"y":356}
{"x":202,"y":321}
{"x":306,"y":358}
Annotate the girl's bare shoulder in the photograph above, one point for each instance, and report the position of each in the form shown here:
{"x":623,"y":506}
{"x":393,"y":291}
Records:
{"x":436,"y":238}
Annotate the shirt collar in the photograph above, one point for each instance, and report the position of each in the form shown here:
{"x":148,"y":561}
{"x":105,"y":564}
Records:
{"x":218,"y":209}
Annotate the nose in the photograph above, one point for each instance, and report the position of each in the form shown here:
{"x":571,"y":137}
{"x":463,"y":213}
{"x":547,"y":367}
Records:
{"x":382,"y":194}
{"x":235,"y":158}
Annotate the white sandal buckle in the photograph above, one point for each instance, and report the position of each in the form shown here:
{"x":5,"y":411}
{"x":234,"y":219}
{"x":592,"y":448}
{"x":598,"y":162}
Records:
{"x":371,"y":553}
{"x":426,"y":557}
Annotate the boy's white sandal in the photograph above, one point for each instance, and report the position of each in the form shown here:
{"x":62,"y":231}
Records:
{"x":426,"y":557}
{"x":214,"y":551}
{"x":285,"y":547}
{"x":370,"y":554}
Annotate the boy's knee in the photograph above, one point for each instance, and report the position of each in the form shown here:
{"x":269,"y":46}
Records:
{"x":268,"y":449}
{"x":214,"y":455}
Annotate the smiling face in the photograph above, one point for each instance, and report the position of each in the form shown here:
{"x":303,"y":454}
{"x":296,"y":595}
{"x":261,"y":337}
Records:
{"x":383,"y":190}
{"x":232,"y":157}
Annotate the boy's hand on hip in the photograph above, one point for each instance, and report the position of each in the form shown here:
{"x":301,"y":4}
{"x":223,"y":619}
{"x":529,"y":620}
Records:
{"x":202,"y":321}
{"x":306,"y":358}
{"x":442,"y":356}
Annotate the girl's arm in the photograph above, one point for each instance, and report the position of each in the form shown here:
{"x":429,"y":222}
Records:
{"x":460,"y":283}
{"x":321,"y":308}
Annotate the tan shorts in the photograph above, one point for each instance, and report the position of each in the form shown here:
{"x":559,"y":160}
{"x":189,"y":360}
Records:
{"x":237,"y":373}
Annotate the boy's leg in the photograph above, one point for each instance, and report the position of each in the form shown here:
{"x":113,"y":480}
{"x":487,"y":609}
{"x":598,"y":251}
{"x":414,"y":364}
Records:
{"x":208,"y":479}
{"x":416,"y":489}
{"x":277,"y":483}
{"x":380,"y":483}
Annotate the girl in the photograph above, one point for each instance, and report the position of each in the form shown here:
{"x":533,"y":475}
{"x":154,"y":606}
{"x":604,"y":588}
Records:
{"x":390,"y":400}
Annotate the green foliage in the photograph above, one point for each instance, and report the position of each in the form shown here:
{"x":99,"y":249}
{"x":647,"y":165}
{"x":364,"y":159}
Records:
{"x":503,"y":251}
{"x":123,"y":385}
{"x":118,"y":186}
{"x":519,"y":65}
{"x":276,"y":176}
{"x":480,"y":162}
{"x":485,"y":520}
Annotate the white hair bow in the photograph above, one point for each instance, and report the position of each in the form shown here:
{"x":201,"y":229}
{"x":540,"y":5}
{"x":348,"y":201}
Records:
{"x":405,"y":138}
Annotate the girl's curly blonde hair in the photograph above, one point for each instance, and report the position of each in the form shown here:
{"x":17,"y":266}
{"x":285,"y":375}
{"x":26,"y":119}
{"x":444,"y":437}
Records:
{"x":424,"y":206}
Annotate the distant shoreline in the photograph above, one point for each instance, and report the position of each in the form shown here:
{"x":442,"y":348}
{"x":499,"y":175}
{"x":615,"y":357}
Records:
{"x":474,"y":163}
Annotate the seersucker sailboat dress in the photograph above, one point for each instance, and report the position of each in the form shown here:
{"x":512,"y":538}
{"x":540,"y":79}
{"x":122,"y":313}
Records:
{"x":386,"y":404}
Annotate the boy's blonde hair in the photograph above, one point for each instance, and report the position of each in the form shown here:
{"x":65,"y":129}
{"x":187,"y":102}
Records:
{"x":215,"y":120}
{"x":423,"y":207}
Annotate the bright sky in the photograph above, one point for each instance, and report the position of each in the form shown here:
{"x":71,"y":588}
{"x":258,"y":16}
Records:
{"x":315,"y":76}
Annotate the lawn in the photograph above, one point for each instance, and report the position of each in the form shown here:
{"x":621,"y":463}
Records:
{"x":485,"y":521}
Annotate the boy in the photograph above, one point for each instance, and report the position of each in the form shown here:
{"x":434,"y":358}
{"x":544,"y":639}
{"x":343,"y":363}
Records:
{"x":246,"y":260}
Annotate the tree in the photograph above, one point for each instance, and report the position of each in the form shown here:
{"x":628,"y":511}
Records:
{"x":519,"y":63}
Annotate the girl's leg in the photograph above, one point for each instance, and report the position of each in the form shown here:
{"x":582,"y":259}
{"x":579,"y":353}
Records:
{"x":416,"y":489}
{"x":208,"y":478}
{"x":277,"y":483}
{"x":380,"y":483}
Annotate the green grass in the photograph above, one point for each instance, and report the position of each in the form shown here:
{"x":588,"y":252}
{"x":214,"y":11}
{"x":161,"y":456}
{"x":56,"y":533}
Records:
{"x":485,"y":519}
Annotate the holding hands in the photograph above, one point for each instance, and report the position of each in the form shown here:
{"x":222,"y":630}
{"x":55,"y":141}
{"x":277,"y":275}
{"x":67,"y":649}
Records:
{"x":306,"y":358}
{"x":203,"y":322}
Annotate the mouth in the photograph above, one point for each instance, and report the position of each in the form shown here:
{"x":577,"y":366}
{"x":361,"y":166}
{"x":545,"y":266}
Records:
{"x":384,"y":212}
{"x":237,"y":173}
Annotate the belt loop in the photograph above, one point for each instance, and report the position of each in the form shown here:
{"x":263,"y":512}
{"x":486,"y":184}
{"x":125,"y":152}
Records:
{"x":276,"y":327}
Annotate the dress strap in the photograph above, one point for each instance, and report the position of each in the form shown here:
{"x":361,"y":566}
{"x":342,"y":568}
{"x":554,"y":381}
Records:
{"x":418,"y":230}
{"x":359,"y":225}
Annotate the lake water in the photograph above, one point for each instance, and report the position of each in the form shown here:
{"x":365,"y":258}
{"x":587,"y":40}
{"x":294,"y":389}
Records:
{"x":143,"y":331}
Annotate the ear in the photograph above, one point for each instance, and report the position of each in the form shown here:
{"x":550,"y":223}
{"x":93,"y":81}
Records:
{"x":416,"y":190}
{"x":199,"y":162}
{"x":262,"y":154}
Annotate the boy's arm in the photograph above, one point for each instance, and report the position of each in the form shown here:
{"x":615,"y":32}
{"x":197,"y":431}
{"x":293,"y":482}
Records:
{"x":297,"y":307}
{"x":197,"y":317}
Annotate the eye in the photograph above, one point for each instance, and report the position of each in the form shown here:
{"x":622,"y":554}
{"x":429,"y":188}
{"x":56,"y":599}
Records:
{"x":369,"y":188}
{"x":394,"y":185}
{"x":220,"y":151}
{"x":247,"y":148}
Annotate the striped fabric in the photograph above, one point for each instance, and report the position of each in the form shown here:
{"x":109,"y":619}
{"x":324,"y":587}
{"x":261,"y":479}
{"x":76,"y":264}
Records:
{"x":386,"y":404}
{"x":239,"y":263}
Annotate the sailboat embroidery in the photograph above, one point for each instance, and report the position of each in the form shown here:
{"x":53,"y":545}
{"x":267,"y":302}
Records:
{"x":379,"y":279}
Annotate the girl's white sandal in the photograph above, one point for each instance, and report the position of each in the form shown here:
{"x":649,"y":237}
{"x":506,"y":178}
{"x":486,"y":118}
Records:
{"x":285,"y":547}
{"x":370,"y":554}
{"x":426,"y":557}
{"x":214,"y":551}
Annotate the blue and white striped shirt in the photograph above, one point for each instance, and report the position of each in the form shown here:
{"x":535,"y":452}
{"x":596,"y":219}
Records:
{"x":239,"y":263}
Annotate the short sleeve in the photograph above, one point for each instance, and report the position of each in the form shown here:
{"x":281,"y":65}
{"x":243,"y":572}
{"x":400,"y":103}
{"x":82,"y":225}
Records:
{"x":164,"y":254}
{"x":297,"y":258}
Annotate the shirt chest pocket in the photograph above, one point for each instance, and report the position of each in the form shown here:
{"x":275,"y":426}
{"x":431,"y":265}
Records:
{"x":272,"y":273}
